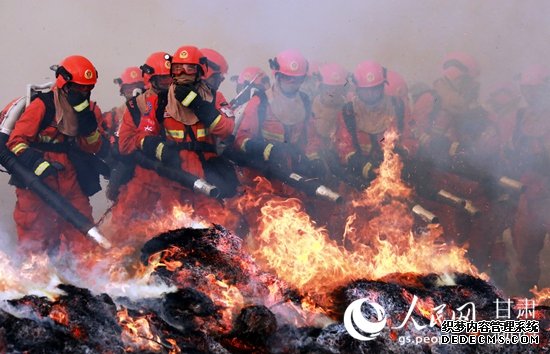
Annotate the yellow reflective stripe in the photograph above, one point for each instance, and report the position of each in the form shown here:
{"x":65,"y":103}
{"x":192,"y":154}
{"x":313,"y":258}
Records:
{"x":424,"y":138}
{"x":141,"y":143}
{"x":366,"y":148}
{"x":19,"y":147}
{"x":190,"y":97}
{"x":349,"y":155}
{"x":267,"y":151}
{"x":313,"y":156}
{"x":82,"y":106}
{"x":40,"y":169}
{"x":201,"y":133}
{"x":93,"y":138}
{"x":179,"y":134}
{"x":453,"y":149}
{"x":215,"y":122}
{"x":366,"y":170}
{"x":243,"y":145}
{"x":273,"y":136}
{"x":158,"y":151}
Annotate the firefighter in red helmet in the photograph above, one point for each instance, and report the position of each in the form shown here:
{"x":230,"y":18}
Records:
{"x":130,"y":85}
{"x":141,"y":198}
{"x":366,"y":117}
{"x":51,"y":127}
{"x":530,"y":156}
{"x":276,"y":127}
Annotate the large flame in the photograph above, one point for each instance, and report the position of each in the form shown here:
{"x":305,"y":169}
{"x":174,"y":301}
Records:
{"x":379,"y":230}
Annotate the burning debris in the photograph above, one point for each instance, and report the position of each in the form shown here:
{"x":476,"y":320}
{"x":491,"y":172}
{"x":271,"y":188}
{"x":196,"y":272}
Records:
{"x":224,"y":303}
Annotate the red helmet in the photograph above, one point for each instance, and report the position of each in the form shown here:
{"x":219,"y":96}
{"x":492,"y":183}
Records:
{"x":189,"y":54}
{"x":369,"y":74}
{"x":156,"y":64}
{"x":290,"y":63}
{"x":397,"y":86}
{"x":457,"y":64}
{"x":535,"y":75}
{"x":77,"y":69}
{"x":131,"y":75}
{"x":249,"y":73}
{"x":216,"y":62}
{"x":333,"y":74}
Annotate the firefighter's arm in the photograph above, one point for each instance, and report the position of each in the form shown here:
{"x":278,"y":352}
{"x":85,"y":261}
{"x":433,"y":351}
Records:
{"x":24,"y":133}
{"x":26,"y":128}
{"x":89,"y":122}
{"x":344,"y":142}
{"x":248,"y":129}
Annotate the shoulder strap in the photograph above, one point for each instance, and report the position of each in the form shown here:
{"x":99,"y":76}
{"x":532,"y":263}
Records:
{"x":262,"y":112}
{"x":133,"y":108}
{"x":399,"y":107}
{"x":161,"y":106}
{"x":517,"y":130}
{"x":49,"y":115}
{"x":436,"y":107}
{"x":351,"y":125}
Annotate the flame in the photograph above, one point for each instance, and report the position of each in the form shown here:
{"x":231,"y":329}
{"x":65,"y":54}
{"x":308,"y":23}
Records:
{"x":59,"y":315}
{"x":33,"y":276}
{"x":378,"y":231}
{"x":542,"y":296}
{"x":138,"y":335}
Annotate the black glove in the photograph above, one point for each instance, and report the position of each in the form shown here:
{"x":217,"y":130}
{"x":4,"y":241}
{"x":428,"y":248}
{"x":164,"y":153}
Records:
{"x":205,"y":111}
{"x":80,"y":101}
{"x":315,"y":168}
{"x":360,"y":165}
{"x":35,"y":161}
{"x":155,"y":147}
{"x":87,"y":123}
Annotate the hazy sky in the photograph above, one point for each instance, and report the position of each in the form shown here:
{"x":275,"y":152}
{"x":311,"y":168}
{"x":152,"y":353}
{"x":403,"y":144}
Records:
{"x":408,"y":36}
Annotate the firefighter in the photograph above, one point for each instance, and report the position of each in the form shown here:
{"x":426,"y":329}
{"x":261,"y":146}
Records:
{"x":130,"y":85}
{"x":216,"y":69}
{"x":326,"y":109}
{"x":54,"y":137}
{"x":311,"y":83}
{"x":251,"y":81}
{"x":192,"y":123}
{"x":462,"y":144}
{"x":366,"y":117}
{"x":189,"y":122}
{"x":276,"y":128}
{"x":141,"y":197}
{"x":531,"y":158}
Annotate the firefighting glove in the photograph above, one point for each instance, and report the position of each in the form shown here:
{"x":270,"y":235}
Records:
{"x":35,"y":161}
{"x":157,"y":148}
{"x":78,"y":100}
{"x":205,"y":111}
{"x":360,"y":165}
{"x":315,"y":168}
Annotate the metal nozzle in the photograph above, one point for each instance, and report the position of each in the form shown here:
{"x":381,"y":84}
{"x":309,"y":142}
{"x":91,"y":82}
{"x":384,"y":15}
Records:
{"x":451,"y":198}
{"x":509,"y":183}
{"x":471,"y":209}
{"x":327,"y":193}
{"x":99,"y":238}
{"x":426,"y":215}
{"x":206,"y":188}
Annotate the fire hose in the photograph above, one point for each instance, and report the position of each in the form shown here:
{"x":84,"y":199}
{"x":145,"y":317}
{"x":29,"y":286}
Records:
{"x":62,"y":206}
{"x":184,"y":178}
{"x":311,"y":186}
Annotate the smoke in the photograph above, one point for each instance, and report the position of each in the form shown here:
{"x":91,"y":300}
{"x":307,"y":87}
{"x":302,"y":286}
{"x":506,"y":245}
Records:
{"x":409,"y":37}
